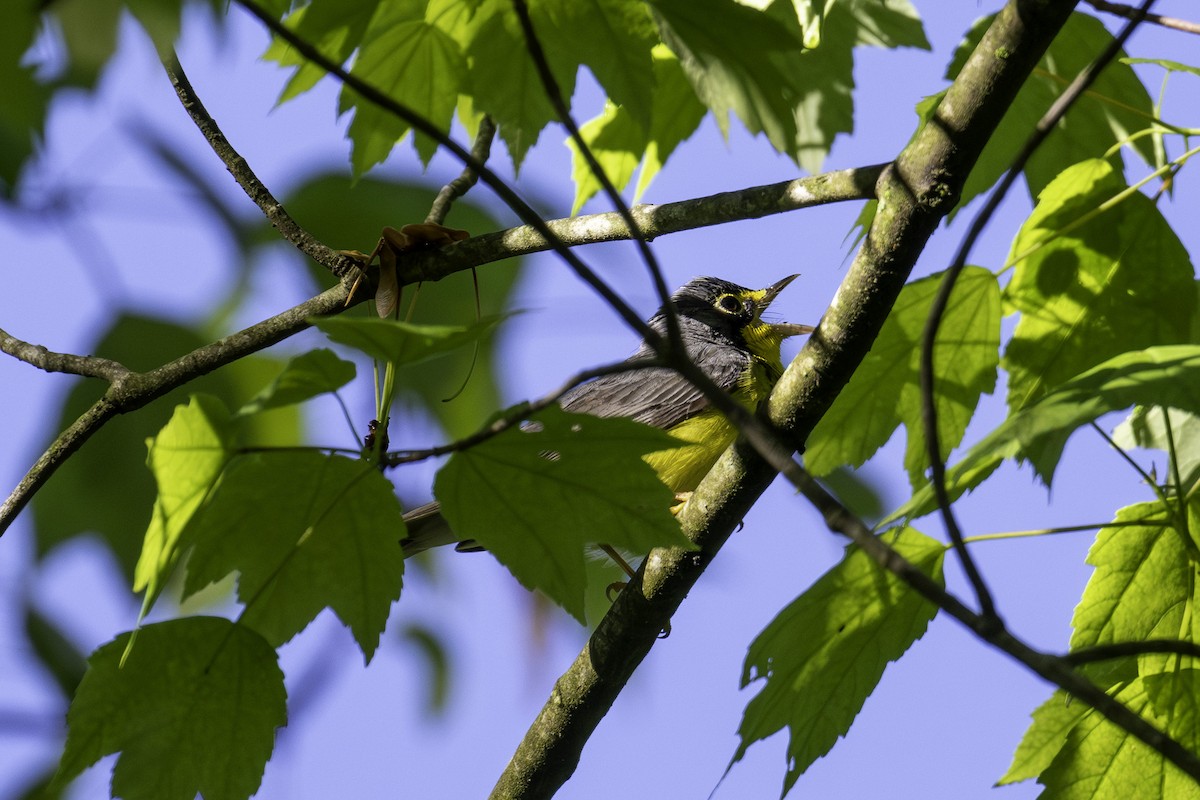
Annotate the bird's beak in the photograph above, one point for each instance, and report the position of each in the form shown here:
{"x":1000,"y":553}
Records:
{"x":784,"y":329}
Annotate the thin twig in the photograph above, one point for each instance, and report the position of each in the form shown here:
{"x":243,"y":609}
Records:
{"x":456,"y":188}
{"x":340,"y":265}
{"x":136,"y":389}
{"x":1104,"y":652}
{"x":38,"y":356}
{"x":1129,"y":12}
{"x":929,"y":412}
{"x":515,"y":415}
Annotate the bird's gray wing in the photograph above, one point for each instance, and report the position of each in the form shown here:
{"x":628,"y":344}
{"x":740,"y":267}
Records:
{"x":655,"y":395}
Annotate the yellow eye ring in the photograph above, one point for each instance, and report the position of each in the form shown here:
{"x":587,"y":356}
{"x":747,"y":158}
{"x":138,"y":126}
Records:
{"x":729,"y":303}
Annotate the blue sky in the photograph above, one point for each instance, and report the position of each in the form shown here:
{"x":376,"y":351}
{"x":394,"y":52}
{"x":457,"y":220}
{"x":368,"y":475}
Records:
{"x":944,"y":721}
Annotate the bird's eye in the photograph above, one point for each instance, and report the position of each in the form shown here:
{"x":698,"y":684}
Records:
{"x":729,"y":304}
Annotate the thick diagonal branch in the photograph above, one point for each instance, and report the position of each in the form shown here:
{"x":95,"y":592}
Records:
{"x":915,"y":193}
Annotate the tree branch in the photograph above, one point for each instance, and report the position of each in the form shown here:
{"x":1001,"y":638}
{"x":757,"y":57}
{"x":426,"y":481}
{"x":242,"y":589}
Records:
{"x":135,"y":389}
{"x":915,"y":193}
{"x":38,"y":356}
{"x":340,"y":265}
{"x":838,"y":186}
{"x":456,"y":188}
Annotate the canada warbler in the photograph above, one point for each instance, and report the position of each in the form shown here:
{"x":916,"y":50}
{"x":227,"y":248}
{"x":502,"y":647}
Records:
{"x":722,"y":328}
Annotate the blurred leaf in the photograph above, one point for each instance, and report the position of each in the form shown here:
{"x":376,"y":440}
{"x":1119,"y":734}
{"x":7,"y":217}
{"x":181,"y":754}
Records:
{"x":193,"y":709}
{"x":104,"y":487}
{"x":1168,"y":376}
{"x":305,"y":531}
{"x":44,"y":787}
{"x":1147,"y":428}
{"x":825,"y":653}
{"x":859,"y":495}
{"x":187,"y":458}
{"x":535,"y":496}
{"x":1086,"y":292}
{"x":394,"y":342}
{"x":54,"y":651}
{"x":306,"y":376}
{"x":1115,"y":106}
{"x":23,"y":112}
{"x":884,"y":391}
{"x":89,"y":34}
{"x":429,"y":644}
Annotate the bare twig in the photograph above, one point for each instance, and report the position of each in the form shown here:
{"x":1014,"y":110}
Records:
{"x":515,"y":415}
{"x":340,"y":265}
{"x":929,"y":338}
{"x":136,"y":389}
{"x":50,"y":361}
{"x":456,"y":188}
{"x":1104,"y":652}
{"x":1129,"y":12}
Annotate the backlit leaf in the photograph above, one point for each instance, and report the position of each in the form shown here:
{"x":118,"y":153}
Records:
{"x":825,"y":653}
{"x":1037,"y":433}
{"x":884,"y":391}
{"x":1119,"y":281}
{"x":186,"y":459}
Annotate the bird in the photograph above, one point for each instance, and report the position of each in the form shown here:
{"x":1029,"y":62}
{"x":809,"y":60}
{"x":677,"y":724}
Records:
{"x":722,"y":328}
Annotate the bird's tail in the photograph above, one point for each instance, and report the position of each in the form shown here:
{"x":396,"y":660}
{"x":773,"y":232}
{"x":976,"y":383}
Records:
{"x":427,"y":528}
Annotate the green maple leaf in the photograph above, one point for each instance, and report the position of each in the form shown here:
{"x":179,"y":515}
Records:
{"x":193,"y":709}
{"x":536,"y":496}
{"x":305,"y":531}
{"x":824,"y":654}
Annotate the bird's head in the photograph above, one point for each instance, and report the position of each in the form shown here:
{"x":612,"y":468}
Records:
{"x":736,"y":312}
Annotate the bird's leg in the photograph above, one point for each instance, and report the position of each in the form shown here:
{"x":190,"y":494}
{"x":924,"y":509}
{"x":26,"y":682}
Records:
{"x":616,"y":587}
{"x":681,"y":499}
